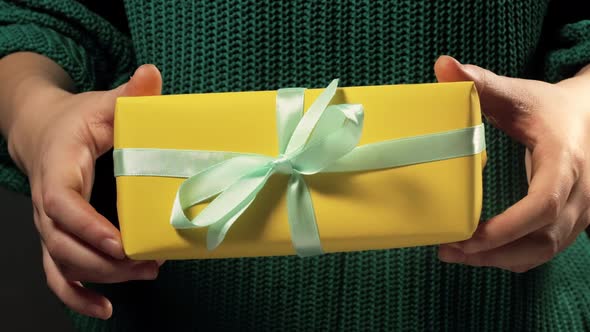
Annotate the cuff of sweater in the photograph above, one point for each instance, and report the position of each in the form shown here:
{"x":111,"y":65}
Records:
{"x":573,"y":53}
{"x":65,"y":52}
{"x":62,"y":50}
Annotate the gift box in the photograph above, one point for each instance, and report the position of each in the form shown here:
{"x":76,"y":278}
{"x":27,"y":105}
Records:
{"x":245,"y":174}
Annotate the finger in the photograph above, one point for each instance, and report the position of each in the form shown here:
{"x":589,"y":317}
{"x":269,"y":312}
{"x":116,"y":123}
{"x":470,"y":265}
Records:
{"x":527,"y":252}
{"x":579,"y":227}
{"x":582,"y":223}
{"x":77,"y":262}
{"x":517,"y":256}
{"x":530,"y":251}
{"x":505,"y":101}
{"x":62,"y":202}
{"x":72,"y":294}
{"x":548,"y":193}
{"x":146,"y":81}
{"x":81,"y":262}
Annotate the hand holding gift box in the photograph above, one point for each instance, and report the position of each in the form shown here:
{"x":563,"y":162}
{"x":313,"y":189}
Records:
{"x":364,"y":197}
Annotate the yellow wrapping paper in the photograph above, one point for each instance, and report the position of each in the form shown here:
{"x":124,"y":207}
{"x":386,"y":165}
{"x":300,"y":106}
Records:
{"x":422,"y":204}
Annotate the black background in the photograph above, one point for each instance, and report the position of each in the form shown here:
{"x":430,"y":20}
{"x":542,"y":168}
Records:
{"x":26,"y":303}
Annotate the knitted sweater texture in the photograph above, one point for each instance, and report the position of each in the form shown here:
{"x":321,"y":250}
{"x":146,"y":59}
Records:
{"x":241,"y":45}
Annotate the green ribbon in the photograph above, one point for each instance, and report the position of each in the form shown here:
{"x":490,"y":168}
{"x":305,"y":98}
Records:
{"x":324,"y":139}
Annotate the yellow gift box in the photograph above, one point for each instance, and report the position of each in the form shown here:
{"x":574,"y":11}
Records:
{"x":420,"y":204}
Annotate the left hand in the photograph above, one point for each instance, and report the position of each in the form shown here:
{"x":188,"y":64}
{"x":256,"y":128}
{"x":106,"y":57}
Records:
{"x":553,"y":122}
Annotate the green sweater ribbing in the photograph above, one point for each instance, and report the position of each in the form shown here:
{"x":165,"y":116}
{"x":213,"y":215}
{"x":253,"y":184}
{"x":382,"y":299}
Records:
{"x":205,"y":46}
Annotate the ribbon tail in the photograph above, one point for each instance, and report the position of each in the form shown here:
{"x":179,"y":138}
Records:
{"x":339,"y":131}
{"x":302,"y":222}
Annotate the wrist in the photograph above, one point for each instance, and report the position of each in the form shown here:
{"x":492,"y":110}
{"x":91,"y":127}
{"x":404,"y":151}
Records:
{"x":28,"y":82}
{"x":31,"y":113}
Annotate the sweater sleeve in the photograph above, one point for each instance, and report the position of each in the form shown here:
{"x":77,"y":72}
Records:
{"x":90,"y":49}
{"x":568,"y":39}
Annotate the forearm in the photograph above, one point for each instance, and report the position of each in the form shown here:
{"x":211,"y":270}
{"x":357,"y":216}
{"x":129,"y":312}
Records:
{"x":28,"y":83}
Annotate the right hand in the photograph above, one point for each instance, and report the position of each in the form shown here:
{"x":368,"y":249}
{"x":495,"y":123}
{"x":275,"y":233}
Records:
{"x":57,"y":145}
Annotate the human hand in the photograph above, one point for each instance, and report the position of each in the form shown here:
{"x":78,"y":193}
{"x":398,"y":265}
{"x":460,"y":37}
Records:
{"x":553,"y":122}
{"x":57,"y":146}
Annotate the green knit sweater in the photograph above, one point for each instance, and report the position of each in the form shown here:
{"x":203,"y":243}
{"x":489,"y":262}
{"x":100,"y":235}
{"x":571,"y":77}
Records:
{"x":238,"y":45}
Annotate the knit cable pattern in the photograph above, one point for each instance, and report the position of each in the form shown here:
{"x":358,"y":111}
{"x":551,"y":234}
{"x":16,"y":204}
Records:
{"x":240,"y":45}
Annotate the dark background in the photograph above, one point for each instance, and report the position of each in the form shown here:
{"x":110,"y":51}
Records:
{"x":26,"y":303}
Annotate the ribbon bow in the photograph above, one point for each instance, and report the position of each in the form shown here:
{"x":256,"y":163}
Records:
{"x":307,"y":144}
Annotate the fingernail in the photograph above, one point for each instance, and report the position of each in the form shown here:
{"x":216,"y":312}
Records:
{"x":113,"y":248}
{"x":451,"y":255}
{"x":473,"y":245}
{"x":147,"y":272}
{"x":455,"y":245}
{"x":160,"y":262}
{"x":98,"y":311}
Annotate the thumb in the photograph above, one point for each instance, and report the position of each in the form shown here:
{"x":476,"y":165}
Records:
{"x":505,"y":101}
{"x":146,"y":81}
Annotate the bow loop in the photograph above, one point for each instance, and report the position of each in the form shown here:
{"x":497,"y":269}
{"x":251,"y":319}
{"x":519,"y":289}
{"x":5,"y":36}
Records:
{"x":337,"y":132}
{"x":307,"y":124}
